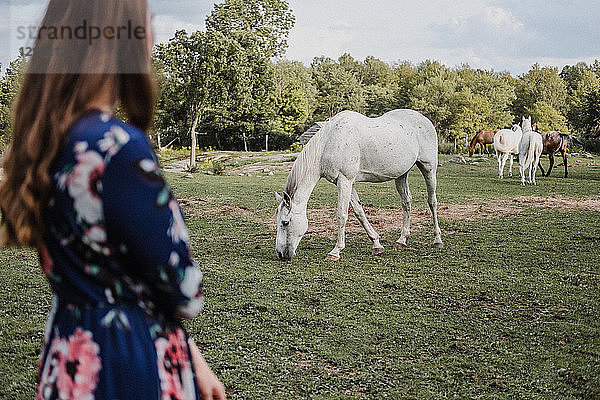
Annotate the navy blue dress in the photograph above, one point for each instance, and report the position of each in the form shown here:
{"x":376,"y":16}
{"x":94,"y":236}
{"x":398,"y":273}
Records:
{"x":117,"y":258}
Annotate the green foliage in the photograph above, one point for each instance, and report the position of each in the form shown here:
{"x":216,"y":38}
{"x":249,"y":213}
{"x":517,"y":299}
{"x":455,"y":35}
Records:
{"x":584,"y":99}
{"x":221,"y":81}
{"x":216,"y":167}
{"x":461,"y":102}
{"x":294,"y":95}
{"x":540,"y":84}
{"x":10,"y":84}
{"x":445,"y":147}
{"x":547,"y":117}
{"x":262,"y":25}
{"x":296,"y":148}
{"x":338,"y":86}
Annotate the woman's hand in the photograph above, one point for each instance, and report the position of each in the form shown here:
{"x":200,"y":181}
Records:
{"x":209,"y":385}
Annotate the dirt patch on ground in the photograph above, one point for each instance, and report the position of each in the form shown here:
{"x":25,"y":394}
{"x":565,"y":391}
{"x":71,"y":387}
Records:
{"x":559,"y":202}
{"x":263,"y":168}
{"x":322,"y":221}
{"x":225,"y":209}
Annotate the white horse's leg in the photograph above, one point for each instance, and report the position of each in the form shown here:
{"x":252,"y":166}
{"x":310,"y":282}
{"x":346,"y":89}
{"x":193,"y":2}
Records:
{"x":522,"y":161}
{"x":511,"y":167}
{"x":344,"y":186}
{"x":503,"y":158}
{"x":535,"y":166}
{"x":406,"y":199}
{"x":360,"y":214}
{"x":499,"y":157}
{"x":429,"y":173}
{"x":530,"y":173}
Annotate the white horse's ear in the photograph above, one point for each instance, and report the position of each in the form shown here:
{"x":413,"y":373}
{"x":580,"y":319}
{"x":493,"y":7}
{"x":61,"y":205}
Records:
{"x":278,"y":197}
{"x":287,"y":199}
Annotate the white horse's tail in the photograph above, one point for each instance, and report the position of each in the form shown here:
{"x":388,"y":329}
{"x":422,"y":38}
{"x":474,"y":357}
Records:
{"x":535,"y":149}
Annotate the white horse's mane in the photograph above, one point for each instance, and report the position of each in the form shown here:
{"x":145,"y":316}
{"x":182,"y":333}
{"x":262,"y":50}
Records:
{"x":306,"y":159}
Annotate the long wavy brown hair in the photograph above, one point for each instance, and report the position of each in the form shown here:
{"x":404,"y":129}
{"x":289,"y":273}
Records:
{"x":64,"y":76}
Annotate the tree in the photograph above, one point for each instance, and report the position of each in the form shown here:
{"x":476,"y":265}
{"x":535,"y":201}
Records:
{"x":471,"y":114}
{"x":263,"y":25}
{"x":547,"y":117}
{"x":405,"y":79}
{"x":193,"y":67}
{"x":590,"y":109}
{"x":261,"y":28}
{"x":338,"y":88}
{"x":573,"y":74}
{"x":294,"y":94}
{"x":222,"y":78}
{"x":497,"y":92}
{"x":10,"y":85}
{"x":582,"y":84}
{"x":437,"y":96}
{"x":540,"y":84}
{"x":380,"y":86}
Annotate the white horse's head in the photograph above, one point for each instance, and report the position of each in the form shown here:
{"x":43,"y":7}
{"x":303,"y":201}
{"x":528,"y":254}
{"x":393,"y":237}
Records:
{"x":517,"y":128}
{"x":292,"y":224}
{"x":526,"y":124}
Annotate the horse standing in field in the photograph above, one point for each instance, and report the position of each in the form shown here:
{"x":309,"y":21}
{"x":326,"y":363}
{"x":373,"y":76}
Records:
{"x":556,"y":142}
{"x":506,"y":144}
{"x":353,"y":148}
{"x":483,"y":138}
{"x":530,"y":150}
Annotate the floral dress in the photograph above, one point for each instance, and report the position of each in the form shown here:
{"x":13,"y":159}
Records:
{"x":117,"y":258}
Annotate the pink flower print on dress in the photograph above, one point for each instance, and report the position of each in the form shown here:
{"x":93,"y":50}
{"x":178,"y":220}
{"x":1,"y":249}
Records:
{"x":177,"y":231}
{"x":72,"y":368}
{"x":45,"y":260}
{"x":174,"y":367}
{"x":85,"y":186}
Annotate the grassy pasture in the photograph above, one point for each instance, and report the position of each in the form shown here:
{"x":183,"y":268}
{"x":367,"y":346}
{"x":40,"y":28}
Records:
{"x":508,"y":309}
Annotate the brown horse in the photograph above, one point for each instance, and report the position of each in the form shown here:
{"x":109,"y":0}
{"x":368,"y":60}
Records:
{"x":555,"y":142}
{"x":482,"y":138}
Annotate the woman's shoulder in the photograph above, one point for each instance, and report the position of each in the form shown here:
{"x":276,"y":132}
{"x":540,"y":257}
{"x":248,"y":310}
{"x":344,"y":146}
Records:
{"x":98,"y":139}
{"x":95,"y":126}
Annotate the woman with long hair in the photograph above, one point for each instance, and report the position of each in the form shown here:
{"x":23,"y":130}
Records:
{"x":85,"y":190}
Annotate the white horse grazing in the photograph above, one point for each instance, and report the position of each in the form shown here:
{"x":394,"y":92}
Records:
{"x":351,"y":148}
{"x":530,"y":149}
{"x":506,"y":144}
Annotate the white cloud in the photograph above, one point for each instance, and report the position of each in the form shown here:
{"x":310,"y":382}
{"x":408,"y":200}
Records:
{"x":501,"y":34}
{"x":307,"y":42}
{"x":164,"y":27}
{"x":503,"y":21}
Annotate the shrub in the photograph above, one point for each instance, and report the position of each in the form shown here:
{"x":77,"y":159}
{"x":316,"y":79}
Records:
{"x":216,"y":167}
{"x":296,"y":147}
{"x":446,"y":148}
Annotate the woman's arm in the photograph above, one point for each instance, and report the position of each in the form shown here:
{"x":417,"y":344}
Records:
{"x":209,"y":385}
{"x":146,"y":229}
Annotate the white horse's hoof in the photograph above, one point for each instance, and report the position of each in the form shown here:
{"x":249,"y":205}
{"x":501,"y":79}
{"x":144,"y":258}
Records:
{"x":400,"y":245}
{"x":332,"y":258}
{"x":378,"y":251}
{"x":438,"y":245}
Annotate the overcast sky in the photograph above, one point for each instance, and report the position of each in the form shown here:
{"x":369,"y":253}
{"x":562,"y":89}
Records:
{"x":506,"y":35}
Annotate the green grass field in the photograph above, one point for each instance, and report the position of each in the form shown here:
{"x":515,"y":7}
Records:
{"x":508,"y":309}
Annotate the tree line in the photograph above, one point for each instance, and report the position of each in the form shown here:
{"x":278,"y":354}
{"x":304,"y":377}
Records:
{"x":227,"y":87}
